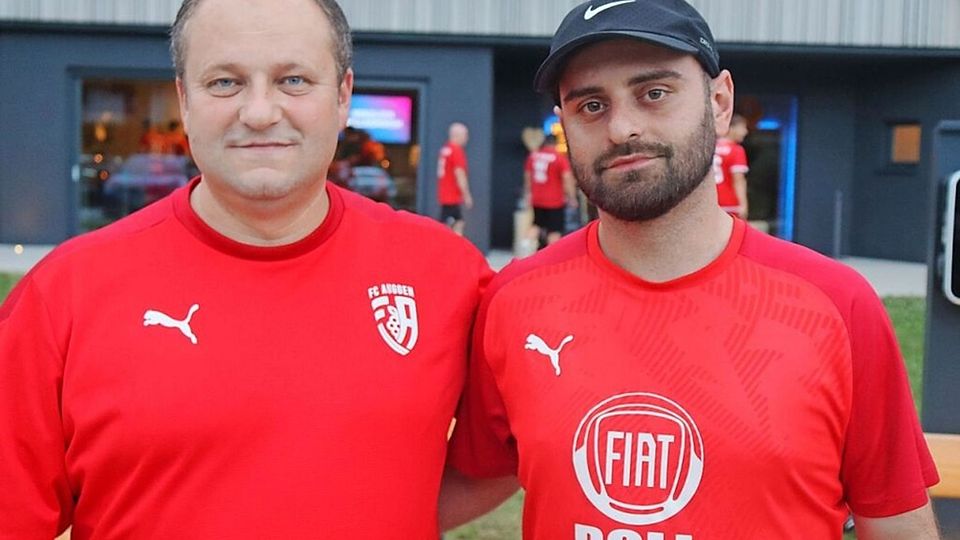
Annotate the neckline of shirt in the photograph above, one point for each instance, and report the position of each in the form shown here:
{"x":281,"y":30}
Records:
{"x":730,"y":252}
{"x":208,"y":235}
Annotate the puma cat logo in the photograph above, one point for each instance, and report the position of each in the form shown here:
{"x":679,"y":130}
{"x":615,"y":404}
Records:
{"x":536,"y":343}
{"x":154,"y":318}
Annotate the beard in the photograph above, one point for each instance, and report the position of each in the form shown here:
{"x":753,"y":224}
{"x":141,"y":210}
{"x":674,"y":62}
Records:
{"x":648,"y":194}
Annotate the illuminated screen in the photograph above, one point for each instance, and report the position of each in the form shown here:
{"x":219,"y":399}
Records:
{"x":386,"y":118}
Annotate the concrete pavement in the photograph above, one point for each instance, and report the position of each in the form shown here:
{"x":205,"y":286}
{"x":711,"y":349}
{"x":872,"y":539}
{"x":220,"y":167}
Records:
{"x":889,"y":278}
{"x":19,"y":258}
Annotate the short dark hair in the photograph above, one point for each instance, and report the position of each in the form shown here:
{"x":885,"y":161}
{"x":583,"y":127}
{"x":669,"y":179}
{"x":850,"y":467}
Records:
{"x":342,"y":41}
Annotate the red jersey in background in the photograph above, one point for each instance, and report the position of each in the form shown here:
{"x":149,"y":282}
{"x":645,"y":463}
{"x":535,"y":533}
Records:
{"x":547,"y":167}
{"x":452,"y":157}
{"x":730,"y":158}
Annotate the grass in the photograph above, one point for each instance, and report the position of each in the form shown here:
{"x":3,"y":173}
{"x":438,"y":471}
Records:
{"x":7,"y":281}
{"x":908,"y":316}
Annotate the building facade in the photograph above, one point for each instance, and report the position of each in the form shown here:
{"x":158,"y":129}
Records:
{"x":841,"y":95}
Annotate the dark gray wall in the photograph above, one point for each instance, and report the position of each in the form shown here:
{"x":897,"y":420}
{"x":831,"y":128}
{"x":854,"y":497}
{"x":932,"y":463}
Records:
{"x":458,"y":87}
{"x":847,"y":99}
{"x":891,"y":202}
{"x":38,"y":94}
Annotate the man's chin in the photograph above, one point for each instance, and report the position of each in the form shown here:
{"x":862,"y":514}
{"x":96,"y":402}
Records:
{"x":635,"y":207}
{"x":267,"y":186}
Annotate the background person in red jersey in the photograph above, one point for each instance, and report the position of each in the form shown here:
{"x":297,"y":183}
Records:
{"x":453,"y":190}
{"x":731,"y":168}
{"x":668,"y":372}
{"x":260,"y":355}
{"x":548,"y":187}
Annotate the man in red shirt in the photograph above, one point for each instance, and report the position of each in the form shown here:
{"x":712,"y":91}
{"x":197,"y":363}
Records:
{"x":453,"y":190}
{"x":260,"y":355}
{"x":548,"y":187}
{"x":668,"y":372}
{"x":730,"y":168}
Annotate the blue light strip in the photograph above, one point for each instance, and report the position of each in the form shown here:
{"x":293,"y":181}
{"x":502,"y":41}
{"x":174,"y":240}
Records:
{"x":768,"y":124}
{"x":788,"y":176}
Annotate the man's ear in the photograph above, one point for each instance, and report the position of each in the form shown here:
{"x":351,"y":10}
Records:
{"x":721,"y":99}
{"x":182,"y":101}
{"x":344,"y":94}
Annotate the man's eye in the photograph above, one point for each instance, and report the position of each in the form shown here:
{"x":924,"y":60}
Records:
{"x":657,"y":94}
{"x":592,"y":107}
{"x":294,"y":80}
{"x":223,"y":84}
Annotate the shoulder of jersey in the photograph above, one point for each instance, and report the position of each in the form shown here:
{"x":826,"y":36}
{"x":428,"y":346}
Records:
{"x":89,"y":246}
{"x":569,"y":247}
{"x":125,"y":229}
{"x":842,"y":284}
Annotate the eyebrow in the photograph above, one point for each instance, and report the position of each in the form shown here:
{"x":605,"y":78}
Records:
{"x":233,"y":67}
{"x":643,"y":78}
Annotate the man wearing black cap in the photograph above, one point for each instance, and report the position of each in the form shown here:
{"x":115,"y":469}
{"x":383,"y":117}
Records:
{"x":667,"y":372}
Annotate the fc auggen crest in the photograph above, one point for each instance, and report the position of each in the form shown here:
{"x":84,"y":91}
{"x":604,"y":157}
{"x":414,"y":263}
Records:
{"x":395,"y":311}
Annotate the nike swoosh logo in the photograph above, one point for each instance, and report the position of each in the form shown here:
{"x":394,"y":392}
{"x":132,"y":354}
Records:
{"x":592,"y":12}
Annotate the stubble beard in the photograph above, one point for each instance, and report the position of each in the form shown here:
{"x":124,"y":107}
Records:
{"x":638,"y":196}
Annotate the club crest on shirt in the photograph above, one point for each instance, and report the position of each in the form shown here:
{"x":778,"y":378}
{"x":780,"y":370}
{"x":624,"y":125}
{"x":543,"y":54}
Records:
{"x":395,"y":312}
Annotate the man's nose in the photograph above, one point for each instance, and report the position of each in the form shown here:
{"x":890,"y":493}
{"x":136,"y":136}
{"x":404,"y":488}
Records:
{"x":626,"y":123}
{"x":262,"y":109}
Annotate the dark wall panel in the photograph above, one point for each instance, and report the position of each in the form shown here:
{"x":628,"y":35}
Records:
{"x":826,"y":169}
{"x":37,"y":102}
{"x":891,"y":202}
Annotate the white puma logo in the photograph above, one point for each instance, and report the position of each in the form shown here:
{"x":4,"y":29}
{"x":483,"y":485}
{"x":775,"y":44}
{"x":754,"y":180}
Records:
{"x":536,"y":343}
{"x":153,"y":318}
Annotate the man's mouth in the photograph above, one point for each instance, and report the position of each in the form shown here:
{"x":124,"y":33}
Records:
{"x":630,"y":161}
{"x":265,"y":145}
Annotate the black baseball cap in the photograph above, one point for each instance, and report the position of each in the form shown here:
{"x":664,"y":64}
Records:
{"x":674,"y":24}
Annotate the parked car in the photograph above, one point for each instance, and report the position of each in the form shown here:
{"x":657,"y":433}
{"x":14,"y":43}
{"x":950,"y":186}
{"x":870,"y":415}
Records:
{"x":142,"y":179}
{"x":373,"y":182}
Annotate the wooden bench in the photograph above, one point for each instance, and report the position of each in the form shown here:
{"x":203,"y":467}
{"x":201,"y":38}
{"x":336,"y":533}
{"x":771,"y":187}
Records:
{"x":946,"y":453}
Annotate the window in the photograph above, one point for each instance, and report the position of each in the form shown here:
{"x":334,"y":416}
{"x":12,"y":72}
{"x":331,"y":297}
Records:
{"x":379,"y":151}
{"x":905,"y":143}
{"x":133,"y":150}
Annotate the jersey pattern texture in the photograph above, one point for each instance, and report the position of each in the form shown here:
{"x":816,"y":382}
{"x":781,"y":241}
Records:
{"x":754,"y":398}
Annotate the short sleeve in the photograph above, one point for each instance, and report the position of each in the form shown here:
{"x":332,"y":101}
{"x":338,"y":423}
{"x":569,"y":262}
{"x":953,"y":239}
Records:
{"x":738,"y":160}
{"x":563,"y":164}
{"x":35,"y":498}
{"x":528,"y":164}
{"x":887,"y":466}
{"x":482,"y":445}
{"x":460,"y":159}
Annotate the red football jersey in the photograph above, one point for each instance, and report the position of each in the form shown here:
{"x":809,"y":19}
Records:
{"x":546,"y":168}
{"x":159,"y":380}
{"x":452,"y":157}
{"x":755,"y":398}
{"x":728,"y":159}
